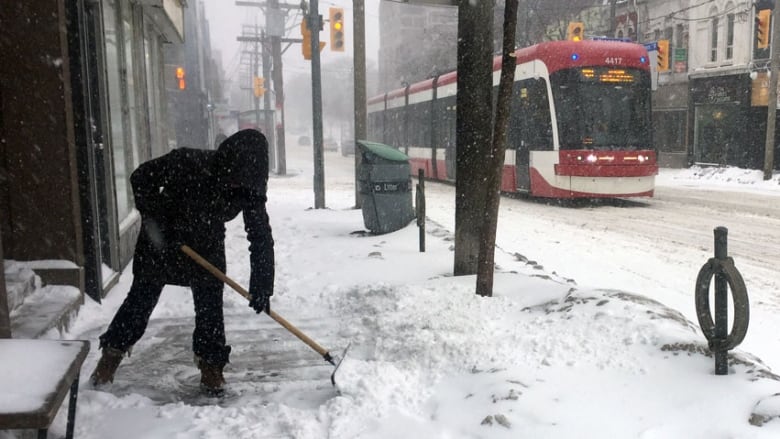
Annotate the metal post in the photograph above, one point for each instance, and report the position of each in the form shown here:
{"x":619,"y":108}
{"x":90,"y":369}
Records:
{"x":255,"y":70}
{"x":421,"y":207}
{"x":771,"y":114}
{"x":721,"y":301}
{"x":314,"y":22}
{"x":276,"y":51}
{"x":359,"y":71}
{"x":268,"y":124}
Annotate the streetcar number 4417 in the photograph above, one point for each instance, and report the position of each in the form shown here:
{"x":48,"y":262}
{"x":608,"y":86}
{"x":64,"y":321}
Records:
{"x":613,"y":60}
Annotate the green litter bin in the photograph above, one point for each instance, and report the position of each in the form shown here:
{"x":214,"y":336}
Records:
{"x":385,"y":186}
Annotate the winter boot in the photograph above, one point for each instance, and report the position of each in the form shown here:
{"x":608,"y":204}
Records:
{"x":212,"y":381}
{"x":106,"y":367}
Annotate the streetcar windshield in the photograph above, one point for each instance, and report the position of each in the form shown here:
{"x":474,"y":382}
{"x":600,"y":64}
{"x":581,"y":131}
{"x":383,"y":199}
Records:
{"x":602,"y":108}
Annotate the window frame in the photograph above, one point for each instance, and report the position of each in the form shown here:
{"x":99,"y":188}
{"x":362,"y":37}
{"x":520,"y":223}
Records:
{"x":730,"y":23}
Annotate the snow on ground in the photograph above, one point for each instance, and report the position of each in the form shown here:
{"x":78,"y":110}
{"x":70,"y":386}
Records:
{"x":543,"y":358}
{"x":725,"y":178}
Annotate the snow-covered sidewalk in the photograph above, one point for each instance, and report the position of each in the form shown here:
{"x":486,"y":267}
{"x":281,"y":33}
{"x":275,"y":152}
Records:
{"x":428,"y":359}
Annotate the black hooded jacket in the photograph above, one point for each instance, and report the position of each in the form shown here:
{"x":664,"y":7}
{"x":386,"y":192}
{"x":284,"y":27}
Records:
{"x":187,"y":195}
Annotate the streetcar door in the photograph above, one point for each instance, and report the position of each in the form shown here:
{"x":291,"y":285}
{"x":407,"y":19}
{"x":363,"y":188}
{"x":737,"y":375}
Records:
{"x":535,"y":127}
{"x":518,"y":135}
{"x":522,"y":160}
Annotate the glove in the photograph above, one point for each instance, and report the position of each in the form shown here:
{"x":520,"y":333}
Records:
{"x":260,"y":301}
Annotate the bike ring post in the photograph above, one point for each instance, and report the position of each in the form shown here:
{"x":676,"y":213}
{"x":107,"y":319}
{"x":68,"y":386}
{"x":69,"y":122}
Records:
{"x":726,"y":275}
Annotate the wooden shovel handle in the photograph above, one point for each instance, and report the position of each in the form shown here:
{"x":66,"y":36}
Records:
{"x":233,"y":284}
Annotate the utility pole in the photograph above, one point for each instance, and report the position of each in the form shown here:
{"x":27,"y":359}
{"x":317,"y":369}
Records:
{"x":254,"y":66}
{"x":268,"y":123}
{"x":275,"y":24}
{"x":259,"y":56}
{"x":256,"y":73}
{"x":359,"y":70}
{"x":271,"y":41}
{"x":314,"y":22}
{"x":771,"y":113}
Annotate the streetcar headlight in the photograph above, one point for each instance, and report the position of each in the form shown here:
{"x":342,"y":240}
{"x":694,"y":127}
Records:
{"x":591,"y":158}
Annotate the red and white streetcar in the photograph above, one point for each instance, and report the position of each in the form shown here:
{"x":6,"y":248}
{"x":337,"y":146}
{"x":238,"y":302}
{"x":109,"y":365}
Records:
{"x":580,"y":124}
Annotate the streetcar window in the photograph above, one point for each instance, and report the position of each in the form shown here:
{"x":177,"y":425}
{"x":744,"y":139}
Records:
{"x":531,"y":124}
{"x":419,"y":124}
{"x":395,"y":128}
{"x":374,"y":129}
{"x":602,"y":108}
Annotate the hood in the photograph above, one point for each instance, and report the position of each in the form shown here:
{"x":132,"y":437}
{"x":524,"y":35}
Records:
{"x":241,"y":161}
{"x":219,"y":139}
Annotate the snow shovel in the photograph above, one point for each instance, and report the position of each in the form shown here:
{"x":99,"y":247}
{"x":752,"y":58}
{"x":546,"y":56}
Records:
{"x":334,"y":360}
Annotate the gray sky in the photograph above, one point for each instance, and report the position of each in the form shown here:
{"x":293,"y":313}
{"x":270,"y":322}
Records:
{"x":226,"y":19}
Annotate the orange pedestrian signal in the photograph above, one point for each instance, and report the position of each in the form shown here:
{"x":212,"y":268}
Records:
{"x":180,"y":77}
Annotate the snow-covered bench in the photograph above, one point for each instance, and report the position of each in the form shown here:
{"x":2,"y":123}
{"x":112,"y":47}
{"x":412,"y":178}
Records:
{"x":35,"y":376}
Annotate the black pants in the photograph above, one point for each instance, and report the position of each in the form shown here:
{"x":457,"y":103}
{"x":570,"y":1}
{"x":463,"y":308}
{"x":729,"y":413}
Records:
{"x":208,"y":339}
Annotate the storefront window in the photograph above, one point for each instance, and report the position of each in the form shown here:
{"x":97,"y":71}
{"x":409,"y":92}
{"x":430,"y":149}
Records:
{"x":716,"y":142}
{"x":126,"y":98}
{"x":132,"y":87}
{"x":153,"y":85}
{"x":117,"y":111}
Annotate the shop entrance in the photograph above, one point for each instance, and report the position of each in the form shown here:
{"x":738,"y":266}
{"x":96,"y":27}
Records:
{"x":716,"y":141}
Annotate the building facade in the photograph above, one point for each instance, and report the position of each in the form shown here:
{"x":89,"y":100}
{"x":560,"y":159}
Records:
{"x":192,"y":83}
{"x":82,"y":102}
{"x":728,"y":121}
{"x":707,"y":109}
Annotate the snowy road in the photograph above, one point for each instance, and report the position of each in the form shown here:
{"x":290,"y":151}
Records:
{"x":654,"y":247}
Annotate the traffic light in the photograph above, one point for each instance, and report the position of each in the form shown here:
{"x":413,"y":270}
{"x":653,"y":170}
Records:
{"x":763,"y":19}
{"x":663,"y":56}
{"x":576,"y":31}
{"x":337,"y":29}
{"x":180,"y":78}
{"x":259,"y":86}
{"x":306,"y":43}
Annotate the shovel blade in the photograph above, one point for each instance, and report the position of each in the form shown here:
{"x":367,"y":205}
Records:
{"x":336,"y":361}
